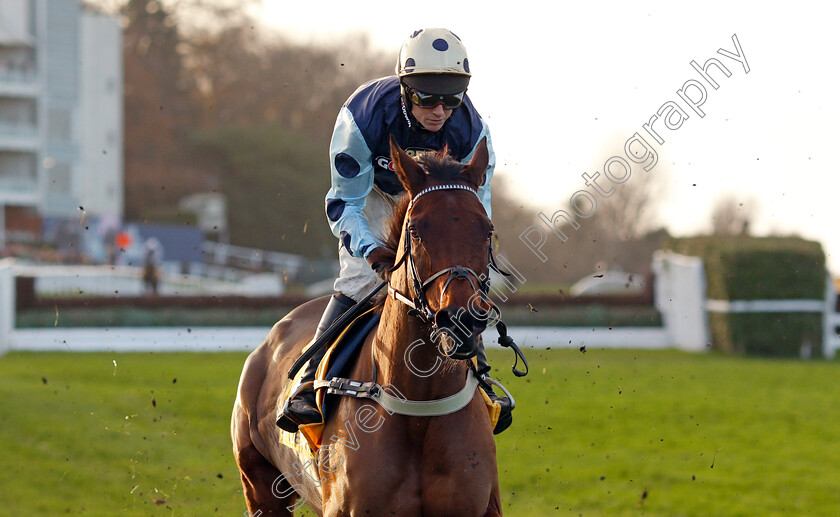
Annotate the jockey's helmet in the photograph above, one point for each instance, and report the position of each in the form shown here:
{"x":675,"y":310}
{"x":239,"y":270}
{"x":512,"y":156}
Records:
{"x":433,"y":61}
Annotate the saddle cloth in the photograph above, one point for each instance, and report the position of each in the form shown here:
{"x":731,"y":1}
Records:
{"x":338,"y":359}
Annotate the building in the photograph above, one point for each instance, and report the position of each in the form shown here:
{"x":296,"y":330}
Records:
{"x":61,"y":116}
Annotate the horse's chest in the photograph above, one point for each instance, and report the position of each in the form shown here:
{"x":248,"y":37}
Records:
{"x":413,"y":478}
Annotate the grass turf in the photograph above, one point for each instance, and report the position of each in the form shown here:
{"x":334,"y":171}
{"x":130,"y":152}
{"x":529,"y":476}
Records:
{"x":598,"y":433}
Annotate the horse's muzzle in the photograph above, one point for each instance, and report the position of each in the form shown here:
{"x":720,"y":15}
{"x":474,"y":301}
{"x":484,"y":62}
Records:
{"x":460,"y":332}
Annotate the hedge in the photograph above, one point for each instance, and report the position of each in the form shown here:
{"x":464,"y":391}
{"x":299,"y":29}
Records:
{"x":761,"y":268}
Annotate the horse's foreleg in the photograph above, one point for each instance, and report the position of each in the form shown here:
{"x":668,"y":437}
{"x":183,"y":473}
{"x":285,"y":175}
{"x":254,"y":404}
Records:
{"x":494,"y":508}
{"x":267,"y":493}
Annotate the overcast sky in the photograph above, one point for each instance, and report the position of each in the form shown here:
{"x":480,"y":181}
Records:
{"x":563,"y":86}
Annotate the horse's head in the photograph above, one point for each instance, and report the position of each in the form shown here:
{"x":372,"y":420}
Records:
{"x":444,"y":242}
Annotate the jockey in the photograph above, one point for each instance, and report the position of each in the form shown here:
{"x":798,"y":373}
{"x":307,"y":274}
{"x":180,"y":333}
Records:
{"x":425,"y":107}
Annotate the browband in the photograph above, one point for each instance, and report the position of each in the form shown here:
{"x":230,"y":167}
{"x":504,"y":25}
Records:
{"x":453,"y":186}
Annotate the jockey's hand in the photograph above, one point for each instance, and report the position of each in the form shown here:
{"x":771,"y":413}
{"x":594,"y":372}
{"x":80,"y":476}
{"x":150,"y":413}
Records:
{"x":381,"y":259}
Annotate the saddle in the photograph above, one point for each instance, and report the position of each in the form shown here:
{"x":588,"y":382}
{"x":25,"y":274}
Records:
{"x":331,"y":382}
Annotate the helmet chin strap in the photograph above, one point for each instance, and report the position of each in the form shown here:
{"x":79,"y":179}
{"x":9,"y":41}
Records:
{"x":407,"y":110}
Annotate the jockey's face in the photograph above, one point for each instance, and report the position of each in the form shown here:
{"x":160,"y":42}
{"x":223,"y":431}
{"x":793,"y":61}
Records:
{"x":431,"y":118}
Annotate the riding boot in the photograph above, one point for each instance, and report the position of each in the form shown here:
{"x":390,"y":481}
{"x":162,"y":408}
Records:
{"x":506,"y":414}
{"x":301,"y":408}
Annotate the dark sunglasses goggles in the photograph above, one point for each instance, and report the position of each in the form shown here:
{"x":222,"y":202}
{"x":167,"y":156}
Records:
{"x":430,"y":100}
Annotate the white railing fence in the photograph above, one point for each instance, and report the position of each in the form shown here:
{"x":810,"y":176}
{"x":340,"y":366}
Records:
{"x":831,"y":320}
{"x":679,"y":295}
{"x":7,"y":305}
{"x":66,"y":280}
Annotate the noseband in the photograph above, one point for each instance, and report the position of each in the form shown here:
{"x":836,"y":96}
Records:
{"x":419,"y":304}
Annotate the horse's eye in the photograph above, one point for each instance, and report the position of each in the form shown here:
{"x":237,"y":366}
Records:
{"x":412,"y":231}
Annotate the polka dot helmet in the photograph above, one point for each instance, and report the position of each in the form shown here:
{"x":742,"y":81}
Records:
{"x":434,"y":61}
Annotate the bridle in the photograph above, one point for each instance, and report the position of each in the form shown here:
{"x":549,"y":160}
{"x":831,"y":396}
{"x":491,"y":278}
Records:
{"x":418,"y":304}
{"x":419,"y":307}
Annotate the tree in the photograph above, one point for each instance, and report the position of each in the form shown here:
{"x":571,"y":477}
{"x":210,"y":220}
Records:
{"x":731,"y":216}
{"x":630,"y":212}
{"x":269,"y":107}
{"x":159,"y":111}
{"x":510,"y":218}
{"x":246,"y":77}
{"x":621,"y":233}
{"x":275,"y":199}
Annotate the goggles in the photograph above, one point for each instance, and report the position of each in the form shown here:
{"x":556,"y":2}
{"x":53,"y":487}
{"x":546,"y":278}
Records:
{"x":429,"y":100}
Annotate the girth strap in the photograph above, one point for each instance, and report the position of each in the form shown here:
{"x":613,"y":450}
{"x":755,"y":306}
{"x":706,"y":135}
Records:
{"x":392,"y":404}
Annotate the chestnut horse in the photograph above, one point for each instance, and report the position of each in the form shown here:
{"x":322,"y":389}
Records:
{"x":378,"y":461}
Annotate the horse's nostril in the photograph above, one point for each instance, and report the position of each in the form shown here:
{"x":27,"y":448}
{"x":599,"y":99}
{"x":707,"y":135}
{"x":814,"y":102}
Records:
{"x":458,"y":332}
{"x":443,"y":318}
{"x":460,"y":321}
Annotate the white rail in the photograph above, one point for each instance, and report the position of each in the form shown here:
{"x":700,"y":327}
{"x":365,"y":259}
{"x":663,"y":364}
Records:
{"x":680,"y":297}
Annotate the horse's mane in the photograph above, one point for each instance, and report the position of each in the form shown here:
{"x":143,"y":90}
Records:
{"x":395,"y":229}
{"x":438,"y":165}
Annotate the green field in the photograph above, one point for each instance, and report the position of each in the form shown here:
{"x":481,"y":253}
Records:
{"x":598,"y":433}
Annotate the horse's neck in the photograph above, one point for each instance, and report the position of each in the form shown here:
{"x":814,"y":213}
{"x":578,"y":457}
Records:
{"x":406,"y":364}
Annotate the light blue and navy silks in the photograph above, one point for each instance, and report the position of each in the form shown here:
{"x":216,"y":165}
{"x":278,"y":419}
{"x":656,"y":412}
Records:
{"x":360,"y":154}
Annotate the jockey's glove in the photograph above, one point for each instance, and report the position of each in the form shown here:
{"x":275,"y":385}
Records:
{"x":381,"y":260}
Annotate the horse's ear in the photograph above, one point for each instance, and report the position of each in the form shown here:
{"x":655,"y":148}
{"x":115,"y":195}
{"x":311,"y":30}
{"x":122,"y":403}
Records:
{"x":410,"y":174}
{"x":474,"y":171}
